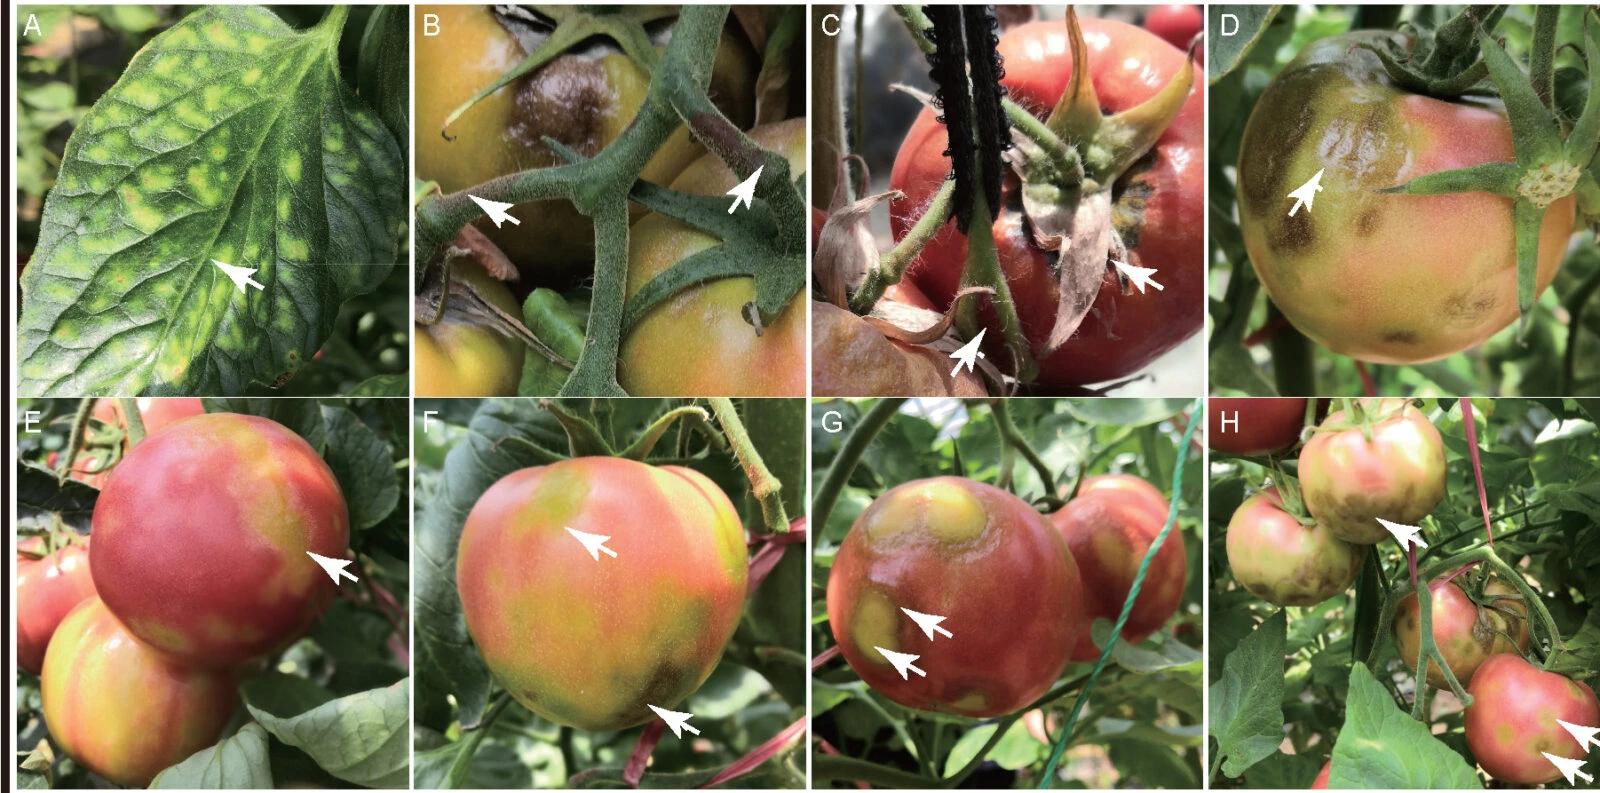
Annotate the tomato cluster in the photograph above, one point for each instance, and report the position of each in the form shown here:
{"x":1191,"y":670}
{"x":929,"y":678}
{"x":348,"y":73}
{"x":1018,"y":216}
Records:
{"x":198,"y":568}
{"x":1019,"y":591}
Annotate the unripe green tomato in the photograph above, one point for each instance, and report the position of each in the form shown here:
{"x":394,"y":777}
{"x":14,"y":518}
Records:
{"x":1283,"y":562}
{"x":1465,"y":632}
{"x":1348,"y":483}
{"x":592,"y":642}
{"x":48,"y":588}
{"x":121,"y":708}
{"x":697,"y":342}
{"x":983,"y":559}
{"x":584,"y":98}
{"x":456,"y":357}
{"x":201,"y":538}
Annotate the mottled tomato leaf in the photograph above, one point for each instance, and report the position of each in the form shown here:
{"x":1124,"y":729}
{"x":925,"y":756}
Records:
{"x":238,"y":762}
{"x":229,"y":137}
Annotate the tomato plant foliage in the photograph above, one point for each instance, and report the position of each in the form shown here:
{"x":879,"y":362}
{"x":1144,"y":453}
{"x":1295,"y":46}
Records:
{"x":1293,"y":688}
{"x":232,"y":137}
{"x":1141,"y":725}
{"x":334,"y":709}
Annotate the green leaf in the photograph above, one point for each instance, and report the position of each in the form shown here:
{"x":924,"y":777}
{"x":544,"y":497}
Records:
{"x":1169,"y":654}
{"x":1224,"y":53}
{"x":229,"y":137}
{"x":363,"y":738}
{"x":730,"y":689}
{"x":383,"y":72}
{"x":382,"y":385}
{"x":1016,"y":749}
{"x":238,"y":762}
{"x":560,"y":325}
{"x":40,"y":498}
{"x":1246,"y":714}
{"x":364,"y":466}
{"x":1412,"y":758}
{"x":1126,"y":412}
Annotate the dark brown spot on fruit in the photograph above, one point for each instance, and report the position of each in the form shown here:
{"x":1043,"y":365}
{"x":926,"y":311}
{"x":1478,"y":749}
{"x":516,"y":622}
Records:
{"x":568,"y":101}
{"x":1368,"y":222}
{"x":1400,"y":337}
{"x":1468,"y":308}
{"x":1289,"y":235}
{"x":1280,"y":123}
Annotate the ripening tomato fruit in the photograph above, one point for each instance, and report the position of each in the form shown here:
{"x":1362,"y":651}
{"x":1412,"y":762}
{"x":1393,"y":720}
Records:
{"x":1348,"y":482}
{"x":849,"y":357}
{"x":1321,"y":782}
{"x":983,"y":559}
{"x":1512,"y":719}
{"x":1154,"y":503}
{"x":697,"y":342}
{"x":583,"y":99}
{"x":47,"y":589}
{"x":1354,"y":274}
{"x":156,"y":413}
{"x":1284,"y":562}
{"x":1175,"y":24}
{"x":1158,"y":207}
{"x":1466,"y":633}
{"x":593,"y":644}
{"x":1109,"y":528}
{"x":121,"y":708}
{"x":201,"y":538}
{"x":1254,"y":427}
{"x":457,"y":357}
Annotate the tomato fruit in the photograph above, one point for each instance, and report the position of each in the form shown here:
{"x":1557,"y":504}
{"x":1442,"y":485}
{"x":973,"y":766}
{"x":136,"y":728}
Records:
{"x":1109,"y":528}
{"x":123,"y":709}
{"x":1321,"y":782}
{"x":47,"y":589}
{"x":849,"y":357}
{"x":983,"y":559}
{"x":1466,"y":633}
{"x":1175,"y":24}
{"x":157,"y":413}
{"x":456,"y":357}
{"x":1354,"y":275}
{"x":201,"y":538}
{"x":1158,"y":207}
{"x":591,"y":643}
{"x":1154,"y":503}
{"x":1254,"y":427}
{"x":1349,"y":483}
{"x":1283,"y":562}
{"x":584,"y":99}
{"x":697,"y":342}
{"x":1512,"y":719}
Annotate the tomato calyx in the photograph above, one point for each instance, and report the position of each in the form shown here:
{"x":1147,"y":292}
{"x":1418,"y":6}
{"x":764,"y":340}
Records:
{"x":445,"y":297}
{"x":1441,"y":62}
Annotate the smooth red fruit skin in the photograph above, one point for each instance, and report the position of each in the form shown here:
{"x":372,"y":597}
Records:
{"x":1321,"y":782}
{"x":47,"y":589}
{"x":1175,"y":24}
{"x":1122,"y":332}
{"x":1155,"y":503}
{"x":1512,"y":719}
{"x":1109,"y":529}
{"x":201,"y":538}
{"x":1255,"y":426}
{"x":1349,"y":483}
{"x":591,"y":644}
{"x":1466,"y":634}
{"x":122,"y":709}
{"x":982,"y":558}
{"x":1283,"y":562}
{"x":1377,"y":276}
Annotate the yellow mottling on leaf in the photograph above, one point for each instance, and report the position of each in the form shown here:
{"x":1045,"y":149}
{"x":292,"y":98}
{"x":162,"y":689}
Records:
{"x":165,"y":65}
{"x":145,"y":219}
{"x":200,"y":182}
{"x":256,"y":44}
{"x":142,"y":93}
{"x":220,"y":35}
{"x":156,"y":179}
{"x":181,"y":36}
{"x":251,"y":76}
{"x":283,"y":207}
{"x":293,"y":249}
{"x":213,"y":95}
{"x":291,"y":166}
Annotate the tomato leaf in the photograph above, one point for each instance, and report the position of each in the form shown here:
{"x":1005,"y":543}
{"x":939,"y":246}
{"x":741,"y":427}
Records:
{"x":384,"y":69}
{"x":1412,"y":757}
{"x":363,"y":738}
{"x":363,"y":464}
{"x":230,"y":137}
{"x":238,"y":762}
{"x":1246,"y":703}
{"x":41,"y":499}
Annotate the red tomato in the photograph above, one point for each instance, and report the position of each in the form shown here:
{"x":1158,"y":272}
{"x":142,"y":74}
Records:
{"x":1348,"y":482}
{"x":1466,"y":633}
{"x":1175,"y":24}
{"x":983,"y":559}
{"x":1321,"y":782}
{"x":592,"y":644}
{"x":1512,"y":719}
{"x":47,"y":589}
{"x":1159,"y":209}
{"x":1254,"y":426}
{"x":1283,"y":562}
{"x":201,"y":538}
{"x":1109,"y":528}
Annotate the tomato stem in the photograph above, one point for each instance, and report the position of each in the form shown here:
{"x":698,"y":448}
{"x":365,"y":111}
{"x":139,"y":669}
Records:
{"x":1011,"y":438}
{"x":892,"y":267}
{"x":867,"y":428}
{"x":80,"y":427}
{"x":133,"y":418}
{"x":763,"y":485}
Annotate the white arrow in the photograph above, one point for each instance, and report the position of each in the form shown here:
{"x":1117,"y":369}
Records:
{"x":902,"y":662}
{"x":1583,"y":735}
{"x":968,"y":355}
{"x":1404,"y":534}
{"x":1568,"y":768}
{"x":239,"y":275}
{"x":334,"y":567}
{"x":1139,"y":276}
{"x":677,"y":721}
{"x":1306,"y":194}
{"x":496,"y":210}
{"x":929,"y":623}
{"x":593,"y":543}
{"x":746,"y":190}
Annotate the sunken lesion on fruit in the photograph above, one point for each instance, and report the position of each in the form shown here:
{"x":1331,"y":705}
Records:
{"x":934,"y":510}
{"x":875,"y":623}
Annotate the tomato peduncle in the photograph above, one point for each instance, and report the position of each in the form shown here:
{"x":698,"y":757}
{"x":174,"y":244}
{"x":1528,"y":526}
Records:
{"x":1441,"y":62}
